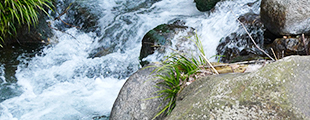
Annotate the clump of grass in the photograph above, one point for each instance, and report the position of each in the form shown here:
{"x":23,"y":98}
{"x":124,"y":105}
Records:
{"x":14,"y":13}
{"x":176,"y":72}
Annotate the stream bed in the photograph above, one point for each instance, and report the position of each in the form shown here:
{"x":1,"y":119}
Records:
{"x":63,"y":81}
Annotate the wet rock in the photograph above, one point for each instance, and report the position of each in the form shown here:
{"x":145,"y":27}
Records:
{"x":132,"y":103}
{"x":289,"y":17}
{"x":291,"y":46}
{"x":205,"y":5}
{"x":102,"y":51}
{"x":277,"y":91}
{"x":78,"y":15}
{"x":238,"y":46}
{"x":160,"y":38}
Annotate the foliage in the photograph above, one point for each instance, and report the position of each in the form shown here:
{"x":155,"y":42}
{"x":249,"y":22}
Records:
{"x":14,"y":13}
{"x":175,"y":72}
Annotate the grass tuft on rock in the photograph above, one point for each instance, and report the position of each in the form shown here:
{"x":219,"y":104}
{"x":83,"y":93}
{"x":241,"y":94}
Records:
{"x":176,"y":72}
{"x":14,"y":13}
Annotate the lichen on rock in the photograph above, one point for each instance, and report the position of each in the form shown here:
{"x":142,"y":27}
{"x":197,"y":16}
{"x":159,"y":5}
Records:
{"x":276,"y":91}
{"x":289,"y":17}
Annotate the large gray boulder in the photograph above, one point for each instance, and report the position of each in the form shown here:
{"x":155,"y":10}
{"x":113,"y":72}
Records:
{"x":280,"y":90}
{"x":132,"y":103}
{"x":286,"y":17}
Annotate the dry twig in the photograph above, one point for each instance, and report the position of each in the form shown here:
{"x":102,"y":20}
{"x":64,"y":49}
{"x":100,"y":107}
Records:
{"x":274,"y":54}
{"x":252,"y":38}
{"x":304,"y":41}
{"x":204,"y":57}
{"x":64,"y":12}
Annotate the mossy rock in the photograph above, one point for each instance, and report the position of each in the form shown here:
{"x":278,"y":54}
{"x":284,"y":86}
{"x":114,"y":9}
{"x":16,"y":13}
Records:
{"x":160,"y":38}
{"x":277,"y":91}
{"x":205,"y":5}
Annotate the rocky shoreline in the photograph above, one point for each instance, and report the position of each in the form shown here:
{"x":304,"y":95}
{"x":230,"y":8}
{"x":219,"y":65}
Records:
{"x":276,"y":91}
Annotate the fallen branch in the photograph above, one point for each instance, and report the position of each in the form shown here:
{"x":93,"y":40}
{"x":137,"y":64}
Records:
{"x":274,"y":54}
{"x":58,"y":18}
{"x":64,"y":12}
{"x":68,"y":23}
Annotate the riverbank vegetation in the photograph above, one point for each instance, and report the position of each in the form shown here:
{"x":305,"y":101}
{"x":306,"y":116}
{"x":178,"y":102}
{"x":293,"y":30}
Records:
{"x":16,"y":13}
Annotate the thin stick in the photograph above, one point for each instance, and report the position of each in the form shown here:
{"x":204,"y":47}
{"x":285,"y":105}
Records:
{"x":274,"y":54}
{"x":303,"y":39}
{"x":68,"y":23}
{"x":204,"y":57}
{"x":252,"y":38}
{"x":64,"y":12}
{"x":61,"y":31}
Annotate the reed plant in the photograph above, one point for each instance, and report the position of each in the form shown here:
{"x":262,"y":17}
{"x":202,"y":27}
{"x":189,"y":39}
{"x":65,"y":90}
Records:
{"x":14,"y":13}
{"x":175,"y":72}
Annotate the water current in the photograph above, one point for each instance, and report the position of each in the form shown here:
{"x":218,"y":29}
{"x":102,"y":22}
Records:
{"x":62,"y":81}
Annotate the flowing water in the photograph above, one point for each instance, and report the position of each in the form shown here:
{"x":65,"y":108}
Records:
{"x":63,"y":81}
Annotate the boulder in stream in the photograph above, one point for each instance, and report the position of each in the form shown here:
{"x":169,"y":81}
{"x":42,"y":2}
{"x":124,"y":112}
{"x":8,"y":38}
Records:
{"x":161,"y":37}
{"x":286,"y":17}
{"x":132,"y":103}
{"x":278,"y":90}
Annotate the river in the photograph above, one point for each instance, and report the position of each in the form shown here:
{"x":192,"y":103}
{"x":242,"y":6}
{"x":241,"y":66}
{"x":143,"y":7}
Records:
{"x":62,"y":82}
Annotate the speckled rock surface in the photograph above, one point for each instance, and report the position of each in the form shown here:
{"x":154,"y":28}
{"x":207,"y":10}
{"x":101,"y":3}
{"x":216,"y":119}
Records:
{"x":280,"y":90}
{"x":132,"y":103}
{"x":286,"y":17}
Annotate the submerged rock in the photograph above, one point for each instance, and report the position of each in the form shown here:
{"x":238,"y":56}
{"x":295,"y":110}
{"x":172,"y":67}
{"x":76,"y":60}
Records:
{"x":132,"y":103}
{"x":286,"y":17}
{"x":160,"y":38}
{"x":279,"y":90}
{"x":205,"y":5}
